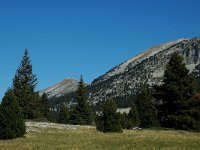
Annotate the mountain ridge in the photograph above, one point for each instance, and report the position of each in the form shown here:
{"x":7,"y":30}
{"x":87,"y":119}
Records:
{"x":66,"y":86}
{"x":149,"y":66}
{"x":125,"y":79}
{"x":142,"y":55}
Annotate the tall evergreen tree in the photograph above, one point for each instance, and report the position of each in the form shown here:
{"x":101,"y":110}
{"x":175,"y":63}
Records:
{"x":130,"y":120}
{"x":24,"y":84}
{"x":109,"y":120}
{"x":63,"y":114}
{"x":146,"y":108}
{"x":34,"y":109}
{"x":82,"y":112}
{"x":133,"y":117}
{"x":44,"y":105}
{"x":177,"y":107}
{"x":125,"y":123}
{"x":12,"y":124}
{"x":196,"y":76}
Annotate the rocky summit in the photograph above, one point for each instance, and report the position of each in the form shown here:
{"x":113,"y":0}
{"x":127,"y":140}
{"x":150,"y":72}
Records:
{"x":66,"y":86}
{"x":125,"y":79}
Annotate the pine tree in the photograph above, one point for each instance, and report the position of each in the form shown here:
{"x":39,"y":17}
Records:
{"x":109,"y":121}
{"x":52,"y":115}
{"x":124,"y":121}
{"x":177,"y":107}
{"x":82,"y":112}
{"x":146,"y":108}
{"x":12,"y":124}
{"x":133,"y":117}
{"x":63,"y":114}
{"x":34,"y":106}
{"x":196,"y":75}
{"x":24,"y":84}
{"x":44,"y":105}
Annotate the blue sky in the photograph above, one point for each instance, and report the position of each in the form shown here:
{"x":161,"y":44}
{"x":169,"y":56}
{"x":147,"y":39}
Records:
{"x":67,"y":38}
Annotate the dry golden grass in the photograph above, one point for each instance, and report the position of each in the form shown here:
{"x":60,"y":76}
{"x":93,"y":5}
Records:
{"x":90,"y":139}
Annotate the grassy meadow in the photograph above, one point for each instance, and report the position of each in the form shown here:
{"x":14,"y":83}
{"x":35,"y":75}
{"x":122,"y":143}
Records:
{"x":90,"y":139}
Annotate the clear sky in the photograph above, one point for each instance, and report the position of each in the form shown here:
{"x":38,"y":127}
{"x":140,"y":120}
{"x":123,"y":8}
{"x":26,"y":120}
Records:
{"x":67,"y":38}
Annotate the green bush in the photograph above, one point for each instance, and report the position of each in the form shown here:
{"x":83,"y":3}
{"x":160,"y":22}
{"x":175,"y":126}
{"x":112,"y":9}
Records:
{"x":109,"y":120}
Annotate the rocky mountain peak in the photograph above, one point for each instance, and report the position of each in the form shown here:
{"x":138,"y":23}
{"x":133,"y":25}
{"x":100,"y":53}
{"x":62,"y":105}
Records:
{"x":124,"y":79}
{"x":139,"y":58}
{"x":66,"y":86}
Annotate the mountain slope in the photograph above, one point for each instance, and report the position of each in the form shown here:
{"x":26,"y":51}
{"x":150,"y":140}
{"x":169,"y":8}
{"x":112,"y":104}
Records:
{"x":66,"y":86}
{"x":125,"y":79}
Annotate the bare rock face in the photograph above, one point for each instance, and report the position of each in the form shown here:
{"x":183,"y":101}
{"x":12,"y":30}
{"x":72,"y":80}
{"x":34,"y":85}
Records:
{"x":149,"y":67}
{"x":66,"y":86}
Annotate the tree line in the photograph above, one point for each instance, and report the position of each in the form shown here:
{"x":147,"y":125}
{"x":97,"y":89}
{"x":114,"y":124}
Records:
{"x":173,"y":104}
{"x":22,"y":102}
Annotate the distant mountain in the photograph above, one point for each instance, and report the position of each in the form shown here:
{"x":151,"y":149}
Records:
{"x":125,"y":79}
{"x":66,"y":86}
